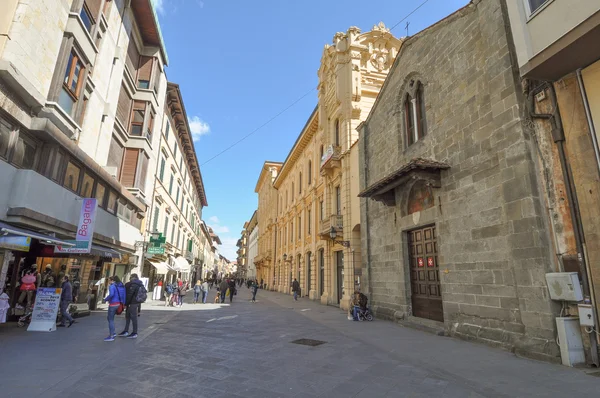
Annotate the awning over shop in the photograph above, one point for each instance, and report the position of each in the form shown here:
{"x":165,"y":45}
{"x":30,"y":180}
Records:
{"x":162,"y":268}
{"x":45,"y":239}
{"x":105,"y":252}
{"x":181,"y":264}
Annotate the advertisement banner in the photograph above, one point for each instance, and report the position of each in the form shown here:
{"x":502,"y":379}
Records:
{"x":45,"y":310}
{"x":87,"y":219}
{"x":81,"y":247}
{"x":20,"y":243}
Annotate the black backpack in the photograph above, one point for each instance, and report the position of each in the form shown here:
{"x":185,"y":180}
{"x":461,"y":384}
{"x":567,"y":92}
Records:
{"x":141,"y":294}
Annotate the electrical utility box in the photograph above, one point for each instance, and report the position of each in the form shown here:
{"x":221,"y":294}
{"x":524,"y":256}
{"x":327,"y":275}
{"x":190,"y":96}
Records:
{"x":564,"y":286}
{"x":571,"y":345}
{"x":586,"y":315}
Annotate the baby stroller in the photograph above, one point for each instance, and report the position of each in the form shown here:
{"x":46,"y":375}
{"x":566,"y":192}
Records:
{"x":365,"y":314}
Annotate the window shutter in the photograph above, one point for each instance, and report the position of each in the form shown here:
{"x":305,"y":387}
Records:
{"x":143,"y":172}
{"x":155,"y":221}
{"x":133,"y":57}
{"x":156,"y":75}
{"x":94,"y":7}
{"x":115,"y":155}
{"x":145,"y":69}
{"x":130,"y":161}
{"x":123,"y":107}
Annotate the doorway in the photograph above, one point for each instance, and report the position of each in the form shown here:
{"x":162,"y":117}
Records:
{"x":425,"y":274}
{"x":308,"y":273}
{"x":339,"y":261}
{"x":321,"y":272}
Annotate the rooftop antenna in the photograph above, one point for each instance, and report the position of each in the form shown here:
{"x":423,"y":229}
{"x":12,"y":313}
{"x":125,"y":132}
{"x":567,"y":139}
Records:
{"x":406,"y":27}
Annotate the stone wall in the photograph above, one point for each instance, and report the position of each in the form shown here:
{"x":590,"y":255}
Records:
{"x":493,"y":242}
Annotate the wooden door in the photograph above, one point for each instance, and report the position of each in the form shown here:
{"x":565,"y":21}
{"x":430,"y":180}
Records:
{"x":425,"y":274}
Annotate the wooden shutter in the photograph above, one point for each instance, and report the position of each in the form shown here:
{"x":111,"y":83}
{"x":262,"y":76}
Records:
{"x":145,"y":69}
{"x":133,"y":57}
{"x":123,"y":107}
{"x":94,"y":7}
{"x":143,"y":172}
{"x":130,"y":161}
{"x":115,"y":154}
{"x":156,"y":76}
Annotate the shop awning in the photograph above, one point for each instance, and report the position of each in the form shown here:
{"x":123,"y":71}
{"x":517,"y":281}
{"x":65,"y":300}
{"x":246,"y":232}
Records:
{"x":162,"y":268}
{"x":45,"y":239}
{"x":105,"y":252}
{"x":181,"y":264}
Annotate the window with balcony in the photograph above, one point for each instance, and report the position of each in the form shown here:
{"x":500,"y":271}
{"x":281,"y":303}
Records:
{"x":72,"y":84}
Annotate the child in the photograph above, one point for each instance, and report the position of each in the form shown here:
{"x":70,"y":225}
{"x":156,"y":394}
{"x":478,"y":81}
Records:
{"x":218,"y":296}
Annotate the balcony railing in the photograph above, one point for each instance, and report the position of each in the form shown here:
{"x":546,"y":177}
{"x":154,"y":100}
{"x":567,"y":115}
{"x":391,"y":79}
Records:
{"x":331,"y":158}
{"x":335,"y":220}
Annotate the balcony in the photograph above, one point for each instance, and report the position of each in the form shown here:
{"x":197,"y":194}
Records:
{"x":336,"y":221}
{"x":331,"y":159}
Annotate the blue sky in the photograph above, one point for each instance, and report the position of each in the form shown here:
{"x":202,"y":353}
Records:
{"x":241,"y":62}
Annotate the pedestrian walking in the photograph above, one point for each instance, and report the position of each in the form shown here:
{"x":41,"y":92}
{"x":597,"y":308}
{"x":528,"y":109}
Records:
{"x":182,"y":293}
{"x":169,"y":289}
{"x":253,"y":289}
{"x":295,"y":289}
{"x":115,"y":299}
{"x":231,"y":290}
{"x":205,"y":290}
{"x":223,"y":286}
{"x":135,"y":295}
{"x":66,"y":298}
{"x":197,"y":291}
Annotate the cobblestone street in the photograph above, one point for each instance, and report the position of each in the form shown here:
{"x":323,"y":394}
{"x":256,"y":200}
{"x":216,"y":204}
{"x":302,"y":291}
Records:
{"x":244,"y":350}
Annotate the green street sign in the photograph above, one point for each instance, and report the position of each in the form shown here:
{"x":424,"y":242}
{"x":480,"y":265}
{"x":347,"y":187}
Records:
{"x":156,"y":250}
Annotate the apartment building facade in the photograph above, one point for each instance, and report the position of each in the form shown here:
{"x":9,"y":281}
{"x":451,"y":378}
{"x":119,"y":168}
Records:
{"x":178,"y":197}
{"x":82,"y":87}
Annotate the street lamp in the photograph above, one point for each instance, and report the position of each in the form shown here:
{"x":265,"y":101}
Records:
{"x":333,"y":235}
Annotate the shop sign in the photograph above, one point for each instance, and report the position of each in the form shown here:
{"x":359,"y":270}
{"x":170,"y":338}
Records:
{"x":45,"y":309}
{"x":87,"y":219}
{"x":156,"y":250}
{"x":81,"y":247}
{"x":156,"y":245}
{"x":20,"y":243}
{"x":328,"y":154}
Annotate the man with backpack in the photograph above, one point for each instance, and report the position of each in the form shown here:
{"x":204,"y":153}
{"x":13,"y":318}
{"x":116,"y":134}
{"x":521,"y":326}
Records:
{"x":169,"y":289}
{"x":135,"y":294}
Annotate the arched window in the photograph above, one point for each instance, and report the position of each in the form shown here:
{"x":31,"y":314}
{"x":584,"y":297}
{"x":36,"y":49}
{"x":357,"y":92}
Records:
{"x":337,"y":132}
{"x":309,"y":172}
{"x":415,"y":121}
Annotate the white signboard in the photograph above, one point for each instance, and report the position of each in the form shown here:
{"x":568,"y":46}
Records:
{"x":45,"y":310}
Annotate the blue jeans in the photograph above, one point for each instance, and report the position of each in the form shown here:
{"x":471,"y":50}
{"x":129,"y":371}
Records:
{"x":196,"y":297}
{"x":355,"y":312}
{"x":64,"y":310}
{"x":254,"y":294}
{"x":204,"y":295}
{"x":223,"y":296}
{"x":112,"y":311}
{"x":296,"y":296}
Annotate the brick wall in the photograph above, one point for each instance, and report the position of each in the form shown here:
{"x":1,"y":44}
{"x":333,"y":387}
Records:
{"x":493,"y":242}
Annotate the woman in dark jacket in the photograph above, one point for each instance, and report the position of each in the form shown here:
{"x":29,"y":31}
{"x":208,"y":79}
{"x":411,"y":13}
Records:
{"x":182,"y":292}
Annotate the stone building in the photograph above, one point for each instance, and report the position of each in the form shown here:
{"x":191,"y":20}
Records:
{"x":82,"y":90}
{"x":252,"y":230}
{"x":267,"y":218}
{"x":454,"y":227}
{"x":557,"y":50}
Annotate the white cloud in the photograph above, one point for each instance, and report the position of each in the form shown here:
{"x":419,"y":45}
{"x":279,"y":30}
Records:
{"x":229,"y":248}
{"x":214,"y":219}
{"x":220,"y":229}
{"x":200,"y":3}
{"x":198,"y":127}
{"x":159,"y":5}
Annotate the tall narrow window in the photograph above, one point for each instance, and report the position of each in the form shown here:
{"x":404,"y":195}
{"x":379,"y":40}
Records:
{"x":137,"y":118}
{"x":337,"y":132}
{"x":124,"y":107}
{"x":72,"y":83}
{"x":165,"y":227}
{"x":100,"y":194}
{"x":338,"y":200}
{"x":309,"y":172}
{"x":72,"y":174}
{"x":167,"y":129}
{"x":300,"y":183}
{"x":408,"y":120}
{"x":321,"y":210}
{"x":145,"y":72}
{"x":173,"y":233}
{"x":309,"y":222}
{"x":155,"y":220}
{"x":171,"y":185}
{"x":299,"y":227}
{"x":293,"y":192}
{"x":420,"y":107}
{"x":162,"y":169}
{"x":321,"y":151}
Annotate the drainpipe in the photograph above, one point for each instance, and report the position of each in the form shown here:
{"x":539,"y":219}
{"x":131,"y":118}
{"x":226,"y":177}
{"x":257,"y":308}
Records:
{"x":558,"y":136}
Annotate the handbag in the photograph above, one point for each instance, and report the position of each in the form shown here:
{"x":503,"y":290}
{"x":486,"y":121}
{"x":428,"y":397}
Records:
{"x":121,"y":307}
